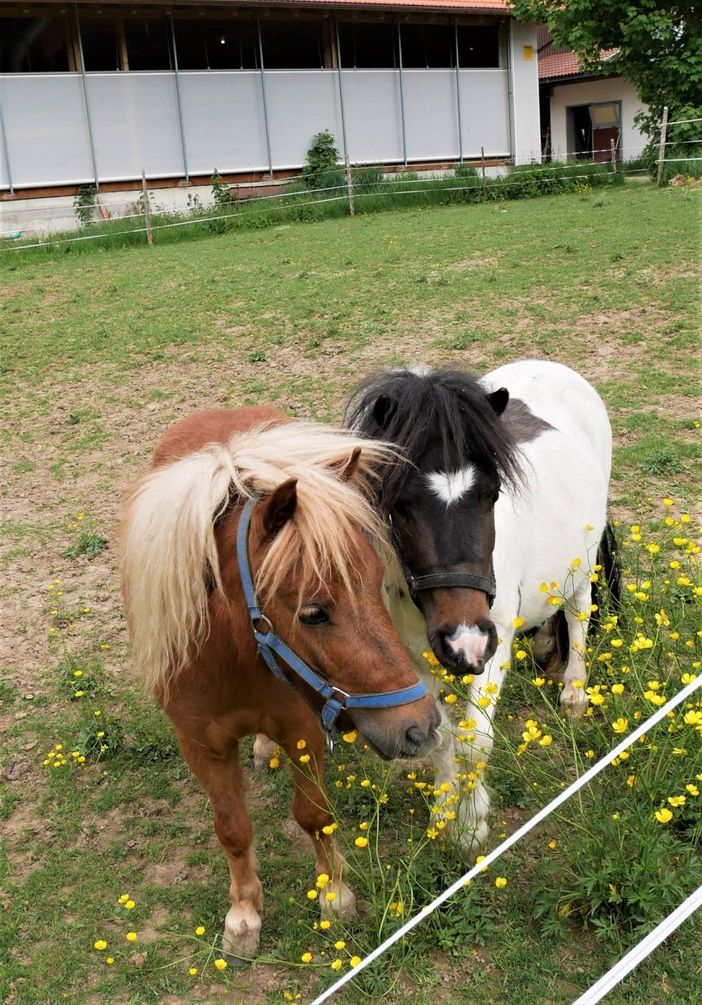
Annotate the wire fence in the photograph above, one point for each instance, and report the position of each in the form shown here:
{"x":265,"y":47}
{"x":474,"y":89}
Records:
{"x":640,"y":951}
{"x":513,"y":838}
{"x":345,"y":192}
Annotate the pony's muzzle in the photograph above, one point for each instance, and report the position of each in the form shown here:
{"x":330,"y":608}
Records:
{"x":406,"y":731}
{"x":465,"y":648}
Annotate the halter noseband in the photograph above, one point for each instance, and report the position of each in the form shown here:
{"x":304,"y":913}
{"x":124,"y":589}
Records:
{"x":449,"y":578}
{"x":270,"y":645}
{"x":435,"y":580}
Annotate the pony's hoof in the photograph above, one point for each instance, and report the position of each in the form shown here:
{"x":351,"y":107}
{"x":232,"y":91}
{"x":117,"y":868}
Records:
{"x":343,"y":905}
{"x":263,"y":750}
{"x":242,"y":935}
{"x":234,"y":961}
{"x":473,"y":838}
{"x":573,"y":702}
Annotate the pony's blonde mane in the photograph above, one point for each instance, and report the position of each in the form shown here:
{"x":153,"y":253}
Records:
{"x":168,"y":548}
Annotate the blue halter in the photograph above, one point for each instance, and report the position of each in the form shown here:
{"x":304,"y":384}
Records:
{"x":270,"y":645}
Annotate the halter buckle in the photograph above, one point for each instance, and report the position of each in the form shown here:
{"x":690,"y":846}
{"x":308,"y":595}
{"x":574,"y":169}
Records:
{"x":261,"y":618}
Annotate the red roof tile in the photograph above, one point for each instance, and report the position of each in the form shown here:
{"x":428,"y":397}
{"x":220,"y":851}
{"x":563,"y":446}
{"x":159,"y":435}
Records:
{"x":565,"y":64}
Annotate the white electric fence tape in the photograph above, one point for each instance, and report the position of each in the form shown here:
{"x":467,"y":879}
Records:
{"x":578,"y":784}
{"x":640,"y":951}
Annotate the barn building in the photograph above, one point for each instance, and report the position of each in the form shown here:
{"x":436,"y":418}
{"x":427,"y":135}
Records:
{"x":97,"y":93}
{"x":584,"y":114}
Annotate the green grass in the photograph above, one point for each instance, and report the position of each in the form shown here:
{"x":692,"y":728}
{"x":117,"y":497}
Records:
{"x":99,"y":353}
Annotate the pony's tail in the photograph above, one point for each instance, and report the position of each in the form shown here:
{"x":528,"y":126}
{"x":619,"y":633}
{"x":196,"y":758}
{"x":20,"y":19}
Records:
{"x":169,"y":558}
{"x":608,"y":558}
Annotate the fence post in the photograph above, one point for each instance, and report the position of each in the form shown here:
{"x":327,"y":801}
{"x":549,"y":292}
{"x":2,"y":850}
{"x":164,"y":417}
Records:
{"x":402,"y":93}
{"x":6,"y":153}
{"x":86,"y":102}
{"x":147,"y":209}
{"x":613,"y":156}
{"x":661,"y":149}
{"x":349,"y":188}
{"x":482,"y":168}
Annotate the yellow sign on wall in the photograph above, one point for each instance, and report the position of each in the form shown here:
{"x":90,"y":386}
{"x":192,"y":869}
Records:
{"x":528,"y":51}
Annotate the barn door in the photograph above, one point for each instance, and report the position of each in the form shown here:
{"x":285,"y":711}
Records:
{"x":606,"y":126}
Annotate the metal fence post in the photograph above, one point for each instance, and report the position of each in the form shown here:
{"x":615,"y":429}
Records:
{"x":341,"y":93}
{"x":458,"y":95}
{"x":402,"y":94}
{"x":264,"y":97}
{"x":5,"y":152}
{"x":91,"y":140}
{"x":178,"y":101}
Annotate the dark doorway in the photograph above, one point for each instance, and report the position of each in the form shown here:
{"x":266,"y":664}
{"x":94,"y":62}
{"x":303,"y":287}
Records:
{"x":579,"y":133}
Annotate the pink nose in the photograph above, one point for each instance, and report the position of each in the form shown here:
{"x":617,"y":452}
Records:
{"x":470,"y":642}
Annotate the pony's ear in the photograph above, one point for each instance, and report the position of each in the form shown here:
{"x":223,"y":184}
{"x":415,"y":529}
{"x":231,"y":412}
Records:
{"x":346,"y":468}
{"x":279,"y":507}
{"x":498,"y":400}
{"x":383,"y":410}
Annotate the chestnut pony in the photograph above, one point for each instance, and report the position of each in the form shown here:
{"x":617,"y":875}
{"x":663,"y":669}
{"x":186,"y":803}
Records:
{"x":203,"y":626}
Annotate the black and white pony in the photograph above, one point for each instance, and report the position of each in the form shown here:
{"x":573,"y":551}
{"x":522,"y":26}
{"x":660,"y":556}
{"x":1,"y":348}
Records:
{"x":497,"y":523}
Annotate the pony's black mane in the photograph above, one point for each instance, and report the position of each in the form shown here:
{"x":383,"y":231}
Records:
{"x":418,"y":406}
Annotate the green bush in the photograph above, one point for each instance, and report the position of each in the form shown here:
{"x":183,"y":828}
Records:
{"x":84,"y":204}
{"x":321,"y":162}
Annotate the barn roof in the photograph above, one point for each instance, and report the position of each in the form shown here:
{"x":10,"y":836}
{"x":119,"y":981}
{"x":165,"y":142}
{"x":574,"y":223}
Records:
{"x":561,"y":65}
{"x":436,"y":6}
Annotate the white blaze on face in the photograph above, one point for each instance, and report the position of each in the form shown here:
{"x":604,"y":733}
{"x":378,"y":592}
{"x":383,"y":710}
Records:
{"x":450,"y":486}
{"x":469,"y":640}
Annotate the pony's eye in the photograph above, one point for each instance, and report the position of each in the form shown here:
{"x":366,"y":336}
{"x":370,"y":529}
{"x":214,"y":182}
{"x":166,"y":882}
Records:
{"x":313,"y":615}
{"x":495,"y":496}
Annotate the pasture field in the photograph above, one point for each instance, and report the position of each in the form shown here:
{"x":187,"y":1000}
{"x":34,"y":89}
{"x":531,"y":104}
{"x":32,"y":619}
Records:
{"x":99,"y":354}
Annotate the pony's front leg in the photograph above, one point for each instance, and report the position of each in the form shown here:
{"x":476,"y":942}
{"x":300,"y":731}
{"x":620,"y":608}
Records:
{"x":573,"y":699}
{"x":221,"y":777}
{"x":446,"y":782}
{"x":475,"y":738}
{"x":311,"y":810}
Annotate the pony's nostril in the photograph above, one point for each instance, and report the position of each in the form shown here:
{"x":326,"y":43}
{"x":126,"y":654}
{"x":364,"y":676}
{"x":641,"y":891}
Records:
{"x":414,"y":737}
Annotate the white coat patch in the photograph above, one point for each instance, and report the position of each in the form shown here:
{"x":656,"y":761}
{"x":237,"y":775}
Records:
{"x":471,"y":641}
{"x":451,"y":485}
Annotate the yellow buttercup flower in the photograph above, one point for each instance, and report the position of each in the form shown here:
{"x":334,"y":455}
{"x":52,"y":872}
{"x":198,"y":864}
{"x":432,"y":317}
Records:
{"x":620,"y":725}
{"x":100,"y":945}
{"x":501,"y":882}
{"x":663,"y":816}
{"x":306,"y":957}
{"x":220,"y":964}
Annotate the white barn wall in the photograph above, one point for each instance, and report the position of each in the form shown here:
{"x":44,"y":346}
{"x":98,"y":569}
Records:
{"x":588,"y":92}
{"x":524,"y":93}
{"x":136,"y":125}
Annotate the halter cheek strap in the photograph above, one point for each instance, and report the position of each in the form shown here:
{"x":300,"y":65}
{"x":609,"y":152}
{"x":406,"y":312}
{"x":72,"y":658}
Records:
{"x":271,"y":646}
